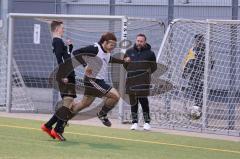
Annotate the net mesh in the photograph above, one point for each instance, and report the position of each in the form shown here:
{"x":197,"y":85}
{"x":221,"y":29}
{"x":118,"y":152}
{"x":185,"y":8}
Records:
{"x":203,"y":65}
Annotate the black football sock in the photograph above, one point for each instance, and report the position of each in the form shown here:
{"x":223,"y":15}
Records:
{"x":52,"y":121}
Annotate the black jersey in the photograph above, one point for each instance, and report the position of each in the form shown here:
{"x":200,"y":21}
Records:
{"x":63,"y":55}
{"x":99,"y":61}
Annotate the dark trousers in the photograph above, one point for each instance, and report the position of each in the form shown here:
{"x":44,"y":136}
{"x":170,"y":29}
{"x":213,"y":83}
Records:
{"x":134,"y":100}
{"x":197,"y":93}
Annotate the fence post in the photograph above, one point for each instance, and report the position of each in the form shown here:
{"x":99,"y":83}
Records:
{"x":170,"y":10}
{"x":234,"y":9}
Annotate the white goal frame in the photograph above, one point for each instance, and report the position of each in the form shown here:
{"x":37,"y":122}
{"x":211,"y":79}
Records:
{"x":208,"y":23}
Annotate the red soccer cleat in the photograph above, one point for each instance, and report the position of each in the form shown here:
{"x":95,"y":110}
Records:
{"x":104,"y":119}
{"x":47,"y":130}
{"x":57,"y":135}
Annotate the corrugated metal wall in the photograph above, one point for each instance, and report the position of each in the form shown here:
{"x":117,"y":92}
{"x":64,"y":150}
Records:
{"x":33,"y":6}
{"x":200,"y":9}
{"x":195,"y":9}
{"x":0,"y":9}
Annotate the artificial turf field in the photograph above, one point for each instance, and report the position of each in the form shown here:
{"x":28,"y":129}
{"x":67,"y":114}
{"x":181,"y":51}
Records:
{"x":23,"y":139}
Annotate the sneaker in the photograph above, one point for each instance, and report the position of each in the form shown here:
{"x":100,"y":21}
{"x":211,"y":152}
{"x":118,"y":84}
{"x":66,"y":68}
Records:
{"x":57,"y":135}
{"x":146,"y":126}
{"x":134,"y":126}
{"x":47,"y":130}
{"x":104,"y":120}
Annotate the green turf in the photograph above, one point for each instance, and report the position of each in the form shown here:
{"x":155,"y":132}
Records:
{"x":22,"y":139}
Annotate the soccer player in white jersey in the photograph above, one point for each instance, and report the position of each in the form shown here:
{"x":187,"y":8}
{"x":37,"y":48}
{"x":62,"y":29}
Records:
{"x":95,"y":59}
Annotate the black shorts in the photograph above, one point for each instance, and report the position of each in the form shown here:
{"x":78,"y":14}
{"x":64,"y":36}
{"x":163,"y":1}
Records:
{"x":96,"y":87}
{"x":69,"y":88}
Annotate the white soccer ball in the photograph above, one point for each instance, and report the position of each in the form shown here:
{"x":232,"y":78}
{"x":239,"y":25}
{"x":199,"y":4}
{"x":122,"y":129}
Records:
{"x":195,"y":112}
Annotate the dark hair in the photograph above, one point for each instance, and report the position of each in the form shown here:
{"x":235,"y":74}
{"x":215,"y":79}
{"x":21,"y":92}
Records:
{"x":199,"y":37}
{"x":55,"y":24}
{"x":142,"y":35}
{"x":107,"y":36}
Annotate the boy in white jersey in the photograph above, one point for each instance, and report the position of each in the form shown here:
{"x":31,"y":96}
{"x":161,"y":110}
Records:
{"x":95,"y":59}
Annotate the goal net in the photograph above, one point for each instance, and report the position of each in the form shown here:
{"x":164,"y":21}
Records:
{"x":30,"y":46}
{"x":19,"y":96}
{"x":203,"y":65}
{"x":201,"y":58}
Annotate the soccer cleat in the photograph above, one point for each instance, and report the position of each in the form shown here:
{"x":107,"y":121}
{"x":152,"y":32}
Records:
{"x":104,"y":120}
{"x":146,"y":126}
{"x":47,"y":130}
{"x":57,"y":135}
{"x":134,"y":126}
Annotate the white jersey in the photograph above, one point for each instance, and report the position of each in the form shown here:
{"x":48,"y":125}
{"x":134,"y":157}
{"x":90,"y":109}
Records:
{"x":98,"y":63}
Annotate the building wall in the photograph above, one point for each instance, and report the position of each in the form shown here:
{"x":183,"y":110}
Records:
{"x":196,"y":9}
{"x":33,"y":6}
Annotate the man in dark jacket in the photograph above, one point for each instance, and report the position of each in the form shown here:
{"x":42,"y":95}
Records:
{"x":138,"y":82}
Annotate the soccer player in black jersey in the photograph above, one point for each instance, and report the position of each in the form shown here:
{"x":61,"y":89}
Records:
{"x":65,"y":81}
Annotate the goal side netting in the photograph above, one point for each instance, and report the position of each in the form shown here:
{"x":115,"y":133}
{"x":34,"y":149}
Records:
{"x":203,"y":65}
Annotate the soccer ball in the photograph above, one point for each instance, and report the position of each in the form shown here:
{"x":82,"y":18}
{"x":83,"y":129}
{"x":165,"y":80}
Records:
{"x":195,"y":112}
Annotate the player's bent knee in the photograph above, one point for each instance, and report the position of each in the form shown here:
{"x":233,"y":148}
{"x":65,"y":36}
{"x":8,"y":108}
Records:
{"x":116,"y":97}
{"x":64,"y":113}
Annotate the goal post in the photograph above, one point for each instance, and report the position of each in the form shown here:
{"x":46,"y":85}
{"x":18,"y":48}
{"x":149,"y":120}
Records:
{"x":3,"y":70}
{"x":9,"y":65}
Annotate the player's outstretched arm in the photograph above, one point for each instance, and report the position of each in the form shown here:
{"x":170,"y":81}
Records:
{"x":90,"y":50}
{"x":119,"y":61}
